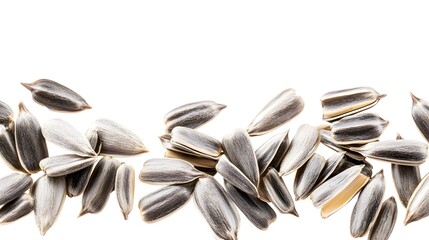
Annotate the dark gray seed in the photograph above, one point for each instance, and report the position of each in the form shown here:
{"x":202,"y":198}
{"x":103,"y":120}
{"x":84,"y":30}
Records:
{"x":124,"y":187}
{"x":6,"y":115}
{"x":62,"y":165}
{"x":77,"y":181}
{"x":406,"y":179}
{"x":307,"y":175}
{"x":8,"y":149}
{"x":420,"y":114}
{"x":385,"y":222}
{"x":326,"y":139}
{"x":13,"y":186}
{"x":16,"y":209}
{"x":330,"y":166}
{"x":272,"y":152}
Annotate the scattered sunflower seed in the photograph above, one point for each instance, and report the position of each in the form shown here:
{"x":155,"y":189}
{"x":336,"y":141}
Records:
{"x":330,"y":166}
{"x":6,"y":115}
{"x":418,"y":205}
{"x":272,"y":152}
{"x":277,"y":112}
{"x":307,"y":175}
{"x":420,"y":114}
{"x":385,"y":222}
{"x":77,"y":181}
{"x":65,"y":164}
{"x":16,"y":209}
{"x":124,"y":187}
{"x":55,"y":96}
{"x":13,"y":185}
{"x":8,"y":149}
{"x":327,"y":140}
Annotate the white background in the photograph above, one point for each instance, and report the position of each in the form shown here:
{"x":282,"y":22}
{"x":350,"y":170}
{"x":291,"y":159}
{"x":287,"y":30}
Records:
{"x":133,"y":61}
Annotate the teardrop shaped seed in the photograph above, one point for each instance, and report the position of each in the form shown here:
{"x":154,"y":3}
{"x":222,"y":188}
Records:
{"x":77,"y":181}
{"x":192,"y":115}
{"x":218,"y":210}
{"x":327,"y":140}
{"x":272,"y":152}
{"x":63,"y":134}
{"x":168,"y":171}
{"x":282,"y":108}
{"x":258,"y":212}
{"x":276,"y":191}
{"x":406,"y":179}
{"x":307,"y":175}
{"x":338,"y":104}
{"x":65,"y":164}
{"x":358,"y":129}
{"x":55,"y":96}
{"x":100,"y":185}
{"x":124,"y":187}
{"x":239,"y":151}
{"x":302,"y":147}
{"x":30,"y":143}
{"x":48,"y":194}
{"x":6,"y":115}
{"x":420,"y":114}
{"x":16,"y":209}
{"x":418,"y":205}
{"x":8,"y":150}
{"x":165,"y":201}
{"x":13,"y":186}
{"x":117,"y":140}
{"x":385,"y":222}
{"x":196,"y":143}
{"x":402,"y":152}
{"x":367,"y":205}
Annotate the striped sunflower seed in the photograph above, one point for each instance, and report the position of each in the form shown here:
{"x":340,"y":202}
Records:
{"x":272,"y":152}
{"x":327,"y":140}
{"x":8,"y":150}
{"x":124,"y":187}
{"x":48,"y":194}
{"x":100,"y":185}
{"x":330,"y":166}
{"x":420,"y":114}
{"x":338,"y":104}
{"x":77,"y":181}
{"x":358,"y":129}
{"x":385,"y":222}
{"x":277,"y":112}
{"x":402,"y":152}
{"x":92,"y":136}
{"x":30,"y":143}
{"x":6,"y":115}
{"x":62,"y":165}
{"x":367,"y":205}
{"x":13,"y":185}
{"x":307,"y":175}
{"x":302,"y":147}
{"x":165,"y":201}
{"x":192,"y":115}
{"x":16,"y":209}
{"x":418,"y":205}
{"x":55,"y":96}
{"x":218,"y":210}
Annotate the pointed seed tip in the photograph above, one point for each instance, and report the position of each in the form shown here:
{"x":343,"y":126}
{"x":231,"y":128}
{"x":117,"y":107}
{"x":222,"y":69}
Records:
{"x":414,"y":98}
{"x":87,"y":107}
{"x":294,"y":212}
{"x":380,"y":96}
{"x":27,"y":85}
{"x":221,"y":106}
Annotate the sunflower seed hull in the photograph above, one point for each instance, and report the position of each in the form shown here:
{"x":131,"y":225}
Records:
{"x":8,"y":150}
{"x":420,"y":114}
{"x":55,"y":96}
{"x":338,"y":104}
{"x":16,"y":209}
{"x":65,"y":164}
{"x":367,"y":206}
{"x":217,"y":208}
{"x":6,"y":115}
{"x":30,"y":143}
{"x":48,"y":194}
{"x":307,"y":175}
{"x":326,"y":139}
{"x":385,"y":222}
{"x":77,"y":181}
{"x":165,"y":201}
{"x":277,"y":112}
{"x":192,"y":115}
{"x":124,"y":187}
{"x":13,"y":185}
{"x":330,"y":165}
{"x":406,"y":179}
{"x":272,"y":151}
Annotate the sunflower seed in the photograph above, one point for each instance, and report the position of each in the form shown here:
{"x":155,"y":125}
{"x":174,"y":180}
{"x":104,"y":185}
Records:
{"x":194,"y":160}
{"x":402,"y":152}
{"x":192,"y":115}
{"x":302,"y":147}
{"x":117,"y":140}
{"x":420,"y":113}
{"x":30,"y":143}
{"x":406,"y":179}
{"x":331,"y":164}
{"x":124,"y":185}
{"x":272,"y":152}
{"x":338,"y":104}
{"x":65,"y":164}
{"x":55,"y":96}
{"x":258,"y":212}
{"x":77,"y":181}
{"x":326,"y":139}
{"x":277,"y":112}
{"x":6,"y":115}
{"x":48,"y":194}
{"x":367,"y":205}
{"x":347,"y":162}
{"x":307,"y":175}
{"x":332,"y":187}
{"x":92,"y":136}
{"x":65,"y":135}
{"x":13,"y":186}
{"x":196,"y":143}
{"x":235,"y":176}
{"x":276,"y":191}
{"x":418,"y":205}
{"x":165,"y":201}
{"x":239,"y":166}
{"x":168,"y":171}
{"x":8,"y":149}
{"x":217,"y":209}
{"x":100,"y":185}
{"x":358,"y":129}
{"x":16,"y":209}
{"x":385,"y":222}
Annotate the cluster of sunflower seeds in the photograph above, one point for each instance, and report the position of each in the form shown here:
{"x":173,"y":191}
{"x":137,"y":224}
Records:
{"x":253,"y":176}
{"x":86,"y":168}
